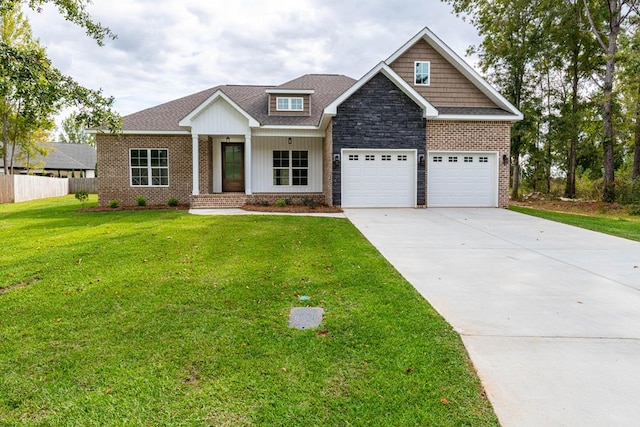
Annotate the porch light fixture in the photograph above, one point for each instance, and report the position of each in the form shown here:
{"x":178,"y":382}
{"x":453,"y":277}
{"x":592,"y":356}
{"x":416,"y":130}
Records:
{"x":421,"y":159}
{"x":505,"y":159}
{"x":290,"y":141}
{"x":228,"y":139}
{"x":336,"y":159}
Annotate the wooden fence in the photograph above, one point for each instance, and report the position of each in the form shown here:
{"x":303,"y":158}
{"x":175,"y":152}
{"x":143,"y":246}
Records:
{"x":6,"y":189}
{"x":21,"y":188}
{"x":90,"y":185}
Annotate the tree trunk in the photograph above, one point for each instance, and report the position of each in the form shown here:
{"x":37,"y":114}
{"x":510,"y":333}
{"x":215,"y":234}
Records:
{"x":515,"y":178}
{"x":607,"y":121}
{"x":636,"y":150}
{"x":5,"y":138}
{"x":572,"y":155}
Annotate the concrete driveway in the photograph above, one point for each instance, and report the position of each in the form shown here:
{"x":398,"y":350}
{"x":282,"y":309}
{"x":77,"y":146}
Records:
{"x":549,"y":313}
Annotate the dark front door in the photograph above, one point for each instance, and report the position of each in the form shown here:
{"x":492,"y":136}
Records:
{"x":232,"y":167}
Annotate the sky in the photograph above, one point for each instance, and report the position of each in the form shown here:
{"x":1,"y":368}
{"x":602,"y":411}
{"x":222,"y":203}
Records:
{"x":166,"y":49}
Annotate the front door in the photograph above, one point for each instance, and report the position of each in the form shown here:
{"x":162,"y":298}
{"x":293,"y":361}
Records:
{"x":232,"y":167}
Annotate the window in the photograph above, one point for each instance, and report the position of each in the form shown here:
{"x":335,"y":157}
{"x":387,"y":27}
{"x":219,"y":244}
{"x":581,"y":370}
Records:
{"x":386,"y":157}
{"x":422,"y":76}
{"x":468,"y":159}
{"x":149,"y":167}
{"x":483,"y":159}
{"x":437,"y":159}
{"x":369,"y":157}
{"x":453,"y":159}
{"x":402,"y":157}
{"x":290,"y":167}
{"x":353,"y":157}
{"x":289,"y":104}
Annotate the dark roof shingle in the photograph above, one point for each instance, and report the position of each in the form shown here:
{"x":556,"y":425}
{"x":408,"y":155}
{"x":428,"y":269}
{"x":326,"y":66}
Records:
{"x":253,"y":99}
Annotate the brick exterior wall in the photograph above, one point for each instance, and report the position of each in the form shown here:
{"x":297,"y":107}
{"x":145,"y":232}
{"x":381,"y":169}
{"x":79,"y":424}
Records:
{"x":474,"y":136}
{"x":114,"y":180}
{"x":378,"y":116}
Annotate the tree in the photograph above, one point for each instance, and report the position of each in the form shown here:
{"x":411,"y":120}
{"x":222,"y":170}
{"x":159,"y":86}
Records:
{"x":514,"y":41}
{"x":34,"y":89}
{"x":73,"y":132}
{"x":617,"y":12}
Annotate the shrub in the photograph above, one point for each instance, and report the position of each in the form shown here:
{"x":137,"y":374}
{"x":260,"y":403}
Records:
{"x":114,"y":204}
{"x":628,"y":192}
{"x":264,"y":202}
{"x":309,"y":202}
{"x":281,"y":203}
{"x":173,"y":202}
{"x":634,"y":210}
{"x":82,"y":196}
{"x":141,"y":201}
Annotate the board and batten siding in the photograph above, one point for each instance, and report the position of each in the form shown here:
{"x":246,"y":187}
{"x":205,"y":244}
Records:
{"x":220,"y":118}
{"x":262,"y":161}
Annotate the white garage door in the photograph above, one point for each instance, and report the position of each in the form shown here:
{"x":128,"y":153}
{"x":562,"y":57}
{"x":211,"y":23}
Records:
{"x":377,"y":178}
{"x":462,"y":180}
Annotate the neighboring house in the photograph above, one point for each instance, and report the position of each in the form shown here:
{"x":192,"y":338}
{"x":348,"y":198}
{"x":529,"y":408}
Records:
{"x":422,"y":128}
{"x":62,"y":160}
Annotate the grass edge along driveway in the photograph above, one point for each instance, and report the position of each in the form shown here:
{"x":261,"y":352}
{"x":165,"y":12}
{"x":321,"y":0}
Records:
{"x":165,"y":318}
{"x":628,"y":228}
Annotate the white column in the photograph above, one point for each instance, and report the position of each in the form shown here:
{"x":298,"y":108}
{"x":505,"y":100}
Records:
{"x":247,"y":163}
{"x":196,"y":164}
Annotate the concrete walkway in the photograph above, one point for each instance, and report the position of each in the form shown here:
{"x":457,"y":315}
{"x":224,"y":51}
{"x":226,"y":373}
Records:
{"x":549,"y":313}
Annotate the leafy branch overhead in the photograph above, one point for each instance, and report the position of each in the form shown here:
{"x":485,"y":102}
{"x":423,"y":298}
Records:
{"x":74,"y":11}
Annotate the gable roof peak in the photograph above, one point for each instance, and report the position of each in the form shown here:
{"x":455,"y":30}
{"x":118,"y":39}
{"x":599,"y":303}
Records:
{"x":460,"y":64}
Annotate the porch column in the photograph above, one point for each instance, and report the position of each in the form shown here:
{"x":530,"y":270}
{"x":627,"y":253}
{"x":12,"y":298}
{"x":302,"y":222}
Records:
{"x":196,"y":164}
{"x":247,"y":163}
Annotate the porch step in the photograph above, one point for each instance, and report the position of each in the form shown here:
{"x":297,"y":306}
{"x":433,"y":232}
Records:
{"x":217,"y":201}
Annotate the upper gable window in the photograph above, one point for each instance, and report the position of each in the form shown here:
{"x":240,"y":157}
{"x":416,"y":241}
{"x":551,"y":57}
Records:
{"x":422,"y":73}
{"x":289,"y":104}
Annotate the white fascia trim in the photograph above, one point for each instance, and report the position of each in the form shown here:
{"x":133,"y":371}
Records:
{"x":140,"y":132}
{"x":289,"y":127}
{"x":306,"y":133}
{"x":291,"y":91}
{"x":460,"y":65}
{"x":186,"y":122}
{"x":480,"y":118}
{"x":429,"y":110}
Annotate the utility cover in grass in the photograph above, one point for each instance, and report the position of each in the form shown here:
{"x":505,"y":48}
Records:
{"x":305,"y":317}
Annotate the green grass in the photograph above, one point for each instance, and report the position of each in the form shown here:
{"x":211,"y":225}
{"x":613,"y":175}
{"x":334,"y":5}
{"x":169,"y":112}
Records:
{"x":620,"y":227}
{"x":158,"y":318}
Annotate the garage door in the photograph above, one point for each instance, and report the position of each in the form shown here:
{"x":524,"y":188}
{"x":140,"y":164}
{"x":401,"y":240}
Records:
{"x":372,"y":178}
{"x":462,"y":180}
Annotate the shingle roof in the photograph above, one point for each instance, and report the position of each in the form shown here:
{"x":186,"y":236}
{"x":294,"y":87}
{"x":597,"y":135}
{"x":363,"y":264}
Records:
{"x":253,"y":99}
{"x":65,"y":157}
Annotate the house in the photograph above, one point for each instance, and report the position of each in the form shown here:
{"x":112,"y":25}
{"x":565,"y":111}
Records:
{"x":62,"y":160}
{"x":422,"y":128}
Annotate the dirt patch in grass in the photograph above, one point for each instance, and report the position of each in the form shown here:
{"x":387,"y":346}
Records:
{"x":579,"y":207}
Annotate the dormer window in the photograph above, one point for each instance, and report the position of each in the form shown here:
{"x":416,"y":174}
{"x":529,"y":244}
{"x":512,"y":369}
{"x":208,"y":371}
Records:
{"x":289,"y":104}
{"x":422,"y":75}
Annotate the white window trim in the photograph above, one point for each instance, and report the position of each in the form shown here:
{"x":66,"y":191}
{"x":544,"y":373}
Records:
{"x":291,"y":168}
{"x":149,"y":168}
{"x":415,"y":66}
{"x":289,"y":103}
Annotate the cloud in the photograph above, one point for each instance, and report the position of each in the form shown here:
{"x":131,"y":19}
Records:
{"x":170,"y":48}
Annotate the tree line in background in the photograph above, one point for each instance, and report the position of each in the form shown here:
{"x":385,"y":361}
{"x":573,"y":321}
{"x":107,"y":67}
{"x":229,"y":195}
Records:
{"x":33,"y":91}
{"x":573,"y":68}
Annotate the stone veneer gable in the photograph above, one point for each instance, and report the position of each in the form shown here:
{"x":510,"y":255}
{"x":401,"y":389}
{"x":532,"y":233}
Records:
{"x":378,"y":116}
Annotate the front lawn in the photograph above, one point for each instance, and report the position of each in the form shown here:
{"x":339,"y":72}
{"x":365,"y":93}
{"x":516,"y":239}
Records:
{"x":161,"y":318}
{"x":621,"y":225}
